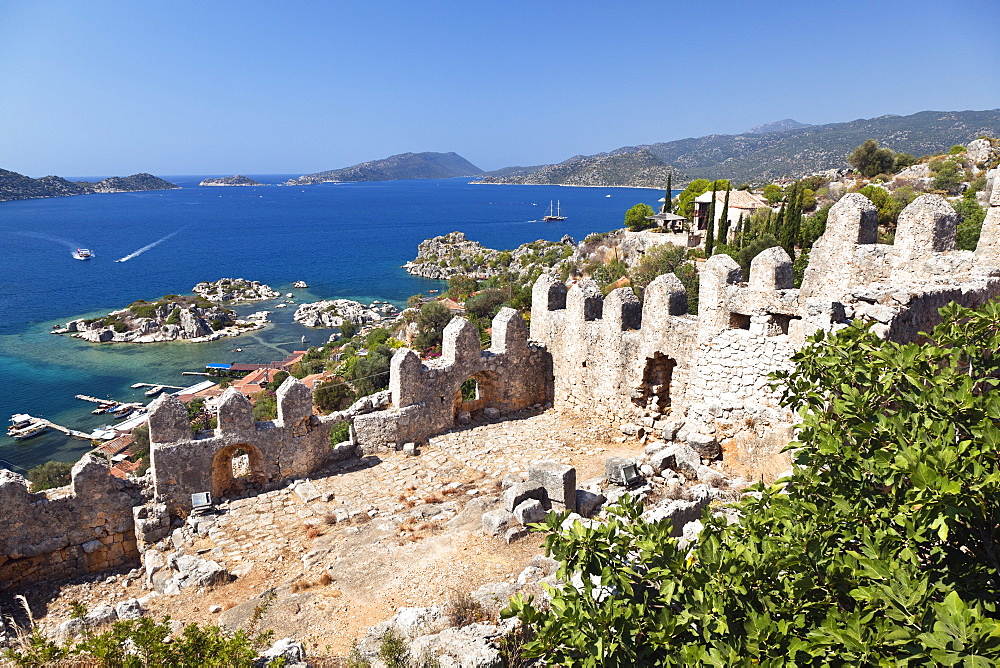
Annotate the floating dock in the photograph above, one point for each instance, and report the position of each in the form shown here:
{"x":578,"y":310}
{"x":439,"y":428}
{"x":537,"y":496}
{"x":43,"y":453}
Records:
{"x":38,"y":424}
{"x":136,"y":386}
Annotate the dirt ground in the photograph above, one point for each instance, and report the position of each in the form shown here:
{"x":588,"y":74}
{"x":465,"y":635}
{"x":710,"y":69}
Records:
{"x":408,"y":535}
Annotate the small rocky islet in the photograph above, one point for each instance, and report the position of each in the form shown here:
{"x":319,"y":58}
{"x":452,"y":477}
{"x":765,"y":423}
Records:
{"x":236,"y":180}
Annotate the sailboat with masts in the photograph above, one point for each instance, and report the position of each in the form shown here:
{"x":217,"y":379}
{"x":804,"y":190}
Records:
{"x":551,"y":218}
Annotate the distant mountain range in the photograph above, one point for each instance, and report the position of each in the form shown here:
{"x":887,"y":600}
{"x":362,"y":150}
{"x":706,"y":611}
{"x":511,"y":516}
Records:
{"x":760,"y":155}
{"x":18,"y":186}
{"x":403,"y":166}
{"x":777,"y":126}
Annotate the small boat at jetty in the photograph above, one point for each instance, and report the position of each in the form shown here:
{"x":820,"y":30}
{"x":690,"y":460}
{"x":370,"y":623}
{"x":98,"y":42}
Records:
{"x":102,"y":408}
{"x":553,"y":217}
{"x":82,"y":254}
{"x":23,"y":425}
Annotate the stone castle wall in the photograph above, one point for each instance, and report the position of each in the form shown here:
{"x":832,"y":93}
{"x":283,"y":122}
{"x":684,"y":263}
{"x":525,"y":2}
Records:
{"x":424,"y":395}
{"x":66,"y":532}
{"x":651,"y":364}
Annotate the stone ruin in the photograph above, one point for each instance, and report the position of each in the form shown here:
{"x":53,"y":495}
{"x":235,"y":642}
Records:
{"x":700,"y":379}
{"x":705,"y":378}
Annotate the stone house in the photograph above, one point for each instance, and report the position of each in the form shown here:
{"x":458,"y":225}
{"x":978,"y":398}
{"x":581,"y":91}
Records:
{"x":741,"y":203}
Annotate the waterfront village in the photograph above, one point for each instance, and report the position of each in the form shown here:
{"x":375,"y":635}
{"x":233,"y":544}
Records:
{"x":372,"y":497}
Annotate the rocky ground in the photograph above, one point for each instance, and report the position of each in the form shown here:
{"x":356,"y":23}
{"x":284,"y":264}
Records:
{"x":345,"y":550}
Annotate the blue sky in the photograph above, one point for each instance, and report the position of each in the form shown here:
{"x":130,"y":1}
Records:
{"x":98,"y":88}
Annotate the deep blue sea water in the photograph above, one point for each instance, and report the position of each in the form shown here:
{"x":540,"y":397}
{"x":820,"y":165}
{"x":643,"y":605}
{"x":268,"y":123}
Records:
{"x":344,"y":240}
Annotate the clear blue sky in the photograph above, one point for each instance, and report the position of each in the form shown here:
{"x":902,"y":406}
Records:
{"x":220,"y":87}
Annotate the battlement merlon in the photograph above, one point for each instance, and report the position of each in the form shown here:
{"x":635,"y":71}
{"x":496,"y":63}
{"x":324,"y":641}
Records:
{"x":168,"y":420}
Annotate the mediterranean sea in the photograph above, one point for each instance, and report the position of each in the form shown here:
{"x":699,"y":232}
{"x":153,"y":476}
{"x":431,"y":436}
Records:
{"x":344,"y":240}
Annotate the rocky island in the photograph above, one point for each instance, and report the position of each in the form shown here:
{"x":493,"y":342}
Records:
{"x":169,"y":318}
{"x":235,"y":290}
{"x":426,"y":165}
{"x":14,"y":186}
{"x":333,"y":313}
{"x":237,"y":180}
{"x":453,"y":254}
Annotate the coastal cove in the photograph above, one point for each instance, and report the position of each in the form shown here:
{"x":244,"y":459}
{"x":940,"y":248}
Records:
{"x":345,"y":240}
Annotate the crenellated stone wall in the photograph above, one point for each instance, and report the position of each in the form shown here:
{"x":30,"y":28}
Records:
{"x":653,"y":365}
{"x":425,"y":395}
{"x":66,"y":532}
{"x":183,"y":463}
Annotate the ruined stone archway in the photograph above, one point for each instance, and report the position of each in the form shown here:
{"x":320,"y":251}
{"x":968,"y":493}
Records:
{"x":233,"y":477}
{"x":658,"y":374}
{"x":475,"y":393}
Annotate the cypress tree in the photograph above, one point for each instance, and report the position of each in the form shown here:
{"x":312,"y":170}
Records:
{"x":789,"y":232}
{"x":724,"y":221}
{"x":667,"y":203}
{"x":710,"y":226}
{"x":738,"y":236}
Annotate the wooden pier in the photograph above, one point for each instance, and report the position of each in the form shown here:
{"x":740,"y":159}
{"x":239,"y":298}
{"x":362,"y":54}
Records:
{"x":34,"y":422}
{"x":136,"y":386}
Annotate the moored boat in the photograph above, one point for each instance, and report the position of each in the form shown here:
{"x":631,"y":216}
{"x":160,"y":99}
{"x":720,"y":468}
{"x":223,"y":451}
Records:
{"x":553,"y":217}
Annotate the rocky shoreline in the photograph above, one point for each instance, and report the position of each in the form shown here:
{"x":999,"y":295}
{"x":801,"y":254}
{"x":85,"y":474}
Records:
{"x":235,"y":290}
{"x":453,"y":254}
{"x":171,"y":318}
{"x":334,"y":312}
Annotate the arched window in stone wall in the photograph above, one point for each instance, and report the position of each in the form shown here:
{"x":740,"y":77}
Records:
{"x":237,"y":469}
{"x":477,"y":392}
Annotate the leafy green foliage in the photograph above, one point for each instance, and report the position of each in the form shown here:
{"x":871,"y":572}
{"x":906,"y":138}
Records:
{"x":340,"y":432}
{"x":334,"y":395}
{"x":881,"y":549}
{"x":265,"y":406}
{"x":870,"y":160}
{"x":432,"y":319}
{"x":773,"y":193}
{"x":754,"y":248}
{"x":970,"y":223}
{"x":144,"y":642}
{"x":50,"y":474}
{"x":635,"y":218}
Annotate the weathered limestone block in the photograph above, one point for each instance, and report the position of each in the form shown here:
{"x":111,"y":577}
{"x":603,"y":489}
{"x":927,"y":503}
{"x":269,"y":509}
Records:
{"x":168,"y":420}
{"x":614,"y":470}
{"x":495,"y":522}
{"x":927,"y":225}
{"x":584,"y":301}
{"x":529,"y":511}
{"x":771,"y":270}
{"x":558,"y":479}
{"x":852,"y":220}
{"x":510,"y":333}
{"x":459,"y":341}
{"x":522,"y":491}
{"x":404,"y":377}
{"x":705,"y":445}
{"x":235,"y":412}
{"x":622,"y":311}
{"x":716,"y":276}
{"x":665,"y":295}
{"x":988,"y":248}
{"x":294,"y":403}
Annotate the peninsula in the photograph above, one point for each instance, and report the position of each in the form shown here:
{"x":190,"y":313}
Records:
{"x":396,"y":167}
{"x":14,"y":186}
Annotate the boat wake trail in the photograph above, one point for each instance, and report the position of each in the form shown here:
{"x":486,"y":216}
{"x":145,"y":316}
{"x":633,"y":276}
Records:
{"x":72,"y":245}
{"x":147,"y":247}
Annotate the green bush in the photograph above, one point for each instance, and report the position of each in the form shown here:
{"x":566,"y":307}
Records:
{"x":879,"y":550}
{"x":50,"y":474}
{"x":635,"y":218}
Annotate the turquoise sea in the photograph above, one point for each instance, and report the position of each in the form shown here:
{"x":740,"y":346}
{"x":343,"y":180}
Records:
{"x":344,"y":240}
